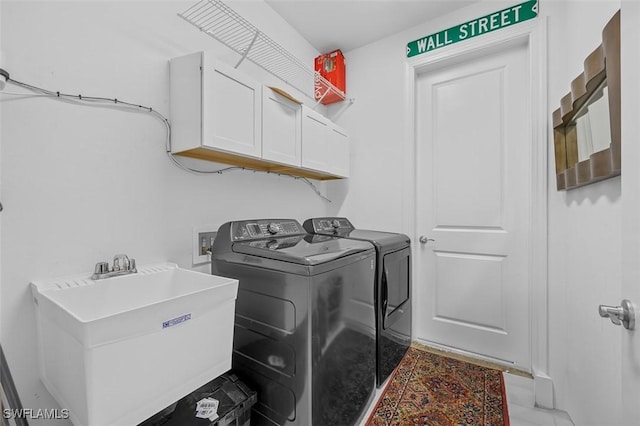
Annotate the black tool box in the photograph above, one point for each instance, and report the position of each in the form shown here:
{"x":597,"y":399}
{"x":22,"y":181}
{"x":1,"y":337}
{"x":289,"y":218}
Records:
{"x":234,"y":398}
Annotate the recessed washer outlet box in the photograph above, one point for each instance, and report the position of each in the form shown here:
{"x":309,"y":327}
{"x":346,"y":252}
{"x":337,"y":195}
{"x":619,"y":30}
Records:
{"x":203,"y":237}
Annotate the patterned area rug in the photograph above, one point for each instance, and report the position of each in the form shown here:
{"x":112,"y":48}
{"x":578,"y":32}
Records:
{"x":428,"y":389}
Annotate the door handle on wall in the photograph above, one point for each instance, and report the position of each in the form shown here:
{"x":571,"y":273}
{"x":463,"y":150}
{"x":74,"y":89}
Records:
{"x":424,"y":240}
{"x":620,"y":315}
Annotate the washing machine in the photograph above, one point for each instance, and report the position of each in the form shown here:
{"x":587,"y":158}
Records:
{"x":304,"y":335}
{"x":391,"y":289}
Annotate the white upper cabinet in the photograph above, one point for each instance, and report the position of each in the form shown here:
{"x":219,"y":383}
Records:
{"x":325,"y":146}
{"x":214,"y":106}
{"x":281,"y":128}
{"x":315,"y":140}
{"x":219,"y":114}
{"x":338,"y":152}
{"x":231,"y":109}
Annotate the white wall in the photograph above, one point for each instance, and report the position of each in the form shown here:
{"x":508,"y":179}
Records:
{"x":584,"y":244}
{"x":1,"y":65}
{"x":80,"y":184}
{"x":584,"y":224}
{"x":381,"y":162}
{"x":630,"y":51}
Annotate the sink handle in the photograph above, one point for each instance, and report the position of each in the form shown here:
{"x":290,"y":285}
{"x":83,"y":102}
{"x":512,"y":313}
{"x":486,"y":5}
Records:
{"x":102,"y":268}
{"x":125,"y":262}
{"x":121,"y":265}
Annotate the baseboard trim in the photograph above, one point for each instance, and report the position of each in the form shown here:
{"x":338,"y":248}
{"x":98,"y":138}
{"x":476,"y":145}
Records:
{"x":543,"y":390}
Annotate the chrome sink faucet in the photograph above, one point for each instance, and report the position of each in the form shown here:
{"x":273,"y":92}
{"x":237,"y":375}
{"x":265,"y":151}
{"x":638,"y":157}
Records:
{"x":122,"y":265}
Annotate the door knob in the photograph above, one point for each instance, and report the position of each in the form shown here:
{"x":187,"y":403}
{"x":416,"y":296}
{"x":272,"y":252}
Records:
{"x":620,"y":315}
{"x":424,"y":240}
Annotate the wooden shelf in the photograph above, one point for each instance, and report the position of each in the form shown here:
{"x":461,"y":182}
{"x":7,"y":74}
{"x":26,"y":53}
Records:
{"x":253,"y":163}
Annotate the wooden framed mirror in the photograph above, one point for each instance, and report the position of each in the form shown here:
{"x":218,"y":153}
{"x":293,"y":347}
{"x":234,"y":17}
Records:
{"x":587,"y":124}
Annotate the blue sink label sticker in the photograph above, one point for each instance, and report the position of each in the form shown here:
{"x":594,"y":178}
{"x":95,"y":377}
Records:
{"x":176,"y":321}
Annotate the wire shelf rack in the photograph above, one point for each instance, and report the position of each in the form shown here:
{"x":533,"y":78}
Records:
{"x":217,"y":20}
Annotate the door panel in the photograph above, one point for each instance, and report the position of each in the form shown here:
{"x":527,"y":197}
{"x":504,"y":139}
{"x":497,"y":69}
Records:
{"x":397,"y":279}
{"x":469,"y":290}
{"x":394,"y":312}
{"x":338,"y":147}
{"x":462,"y":111}
{"x":233,"y":109}
{"x":281,"y":124}
{"x":315,"y":145}
{"x":473,"y":200}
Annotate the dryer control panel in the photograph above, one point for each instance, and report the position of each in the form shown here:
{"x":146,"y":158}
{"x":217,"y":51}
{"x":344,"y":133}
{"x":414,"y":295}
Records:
{"x":329,"y":226}
{"x":265,"y":228}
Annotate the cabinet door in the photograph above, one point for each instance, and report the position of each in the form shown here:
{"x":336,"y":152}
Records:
{"x":315,"y":140}
{"x":231,"y":109}
{"x":281,"y":128}
{"x":185,"y":90}
{"x":338,"y":151}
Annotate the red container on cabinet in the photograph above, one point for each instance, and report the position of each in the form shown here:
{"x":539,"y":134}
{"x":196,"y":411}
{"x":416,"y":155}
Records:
{"x":330,"y":66}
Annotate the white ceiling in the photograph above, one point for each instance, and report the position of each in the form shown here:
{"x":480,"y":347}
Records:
{"x":349,"y":24}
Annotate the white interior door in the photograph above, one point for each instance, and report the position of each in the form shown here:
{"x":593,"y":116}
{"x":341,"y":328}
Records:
{"x":630,"y":353}
{"x":473,"y":192}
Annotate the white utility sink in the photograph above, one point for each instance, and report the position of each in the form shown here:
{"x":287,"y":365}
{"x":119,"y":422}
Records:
{"x":117,"y":350}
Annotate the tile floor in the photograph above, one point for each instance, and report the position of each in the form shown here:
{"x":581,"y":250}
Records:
{"x":520,"y":402}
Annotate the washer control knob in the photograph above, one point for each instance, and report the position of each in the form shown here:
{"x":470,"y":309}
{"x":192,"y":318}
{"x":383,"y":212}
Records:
{"x":273,"y":228}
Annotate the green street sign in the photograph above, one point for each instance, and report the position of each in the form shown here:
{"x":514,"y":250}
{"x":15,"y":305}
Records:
{"x":486,"y":24}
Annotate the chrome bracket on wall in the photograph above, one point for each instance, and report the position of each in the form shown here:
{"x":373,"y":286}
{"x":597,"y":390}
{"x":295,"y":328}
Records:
{"x":248,"y":49}
{"x":620,"y":315}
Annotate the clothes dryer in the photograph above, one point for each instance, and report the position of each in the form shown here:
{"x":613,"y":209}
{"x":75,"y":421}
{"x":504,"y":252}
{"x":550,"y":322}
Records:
{"x":392,"y":287}
{"x":304,"y":333}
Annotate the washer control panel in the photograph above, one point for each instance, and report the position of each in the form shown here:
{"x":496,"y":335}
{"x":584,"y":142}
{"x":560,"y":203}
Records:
{"x":265,"y":228}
